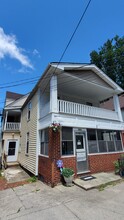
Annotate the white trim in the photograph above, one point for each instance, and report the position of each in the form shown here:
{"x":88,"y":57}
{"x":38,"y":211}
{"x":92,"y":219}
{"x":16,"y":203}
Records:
{"x":38,"y":132}
{"x":42,"y":155}
{"x":68,"y":156}
{"x":113,"y":152}
{"x":88,"y":171}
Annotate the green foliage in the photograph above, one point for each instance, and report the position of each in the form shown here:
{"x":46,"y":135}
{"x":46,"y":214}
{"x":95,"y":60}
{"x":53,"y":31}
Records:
{"x":67,"y":172}
{"x":32,"y":179}
{"x":110,"y":58}
{"x":117,"y":167}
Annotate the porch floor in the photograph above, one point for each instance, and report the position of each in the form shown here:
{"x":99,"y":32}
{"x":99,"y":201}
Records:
{"x":100,"y":179}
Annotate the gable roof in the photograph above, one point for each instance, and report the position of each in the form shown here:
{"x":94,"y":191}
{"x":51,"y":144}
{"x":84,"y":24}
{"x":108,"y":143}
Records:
{"x":18,"y":103}
{"x":59,"y":68}
{"x":13,"y":95}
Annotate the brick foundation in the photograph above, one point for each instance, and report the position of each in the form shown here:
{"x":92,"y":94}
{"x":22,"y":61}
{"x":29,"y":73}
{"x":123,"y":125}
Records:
{"x":102,"y":162}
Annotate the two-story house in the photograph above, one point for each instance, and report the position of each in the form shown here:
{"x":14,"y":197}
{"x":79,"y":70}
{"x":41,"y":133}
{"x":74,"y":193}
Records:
{"x":89,"y":138}
{"x":11,"y":126}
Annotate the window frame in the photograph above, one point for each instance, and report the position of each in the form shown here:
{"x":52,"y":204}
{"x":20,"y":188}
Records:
{"x":29,"y":111}
{"x":44,"y":142}
{"x":27,"y":143}
{"x":62,"y":140}
{"x":107,"y":147}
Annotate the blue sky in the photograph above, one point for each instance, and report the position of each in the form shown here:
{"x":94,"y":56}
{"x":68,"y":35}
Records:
{"x":34,"y":33}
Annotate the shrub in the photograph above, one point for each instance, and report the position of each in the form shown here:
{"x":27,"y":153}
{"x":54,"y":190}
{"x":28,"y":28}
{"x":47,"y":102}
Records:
{"x":67,"y":172}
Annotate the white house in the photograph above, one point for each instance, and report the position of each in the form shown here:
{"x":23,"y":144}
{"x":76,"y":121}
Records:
{"x":89,"y":138}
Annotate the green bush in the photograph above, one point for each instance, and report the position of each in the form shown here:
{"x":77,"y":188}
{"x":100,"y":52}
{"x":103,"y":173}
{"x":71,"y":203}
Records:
{"x":117,"y":166}
{"x":67,"y":172}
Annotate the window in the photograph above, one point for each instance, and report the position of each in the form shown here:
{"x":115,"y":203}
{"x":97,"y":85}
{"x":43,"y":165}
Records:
{"x":27,"y":144}
{"x":29,"y":111}
{"x":92,"y":141}
{"x":100,"y":141}
{"x":44,"y":142}
{"x":67,"y":141}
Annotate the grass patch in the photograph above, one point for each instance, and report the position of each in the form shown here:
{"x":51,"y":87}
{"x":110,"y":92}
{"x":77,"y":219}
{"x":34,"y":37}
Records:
{"x":103,"y":186}
{"x":32,"y":179}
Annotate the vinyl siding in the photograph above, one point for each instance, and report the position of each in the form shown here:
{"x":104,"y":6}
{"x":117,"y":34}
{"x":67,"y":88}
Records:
{"x":29,"y":161}
{"x":90,"y":76}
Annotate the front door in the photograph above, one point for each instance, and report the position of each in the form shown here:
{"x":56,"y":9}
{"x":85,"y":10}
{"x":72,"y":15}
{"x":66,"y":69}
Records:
{"x":12,"y":151}
{"x":81,"y":153}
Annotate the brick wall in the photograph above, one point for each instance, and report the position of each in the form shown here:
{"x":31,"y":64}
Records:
{"x":47,"y":168}
{"x":103,"y":162}
{"x":71,"y":163}
{"x":44,"y":169}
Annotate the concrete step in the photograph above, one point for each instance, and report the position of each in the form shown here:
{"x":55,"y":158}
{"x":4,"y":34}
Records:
{"x":10,"y":164}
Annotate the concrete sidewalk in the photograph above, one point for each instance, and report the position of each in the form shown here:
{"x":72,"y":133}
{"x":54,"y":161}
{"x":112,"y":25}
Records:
{"x":38,"y":201}
{"x":100,"y":179}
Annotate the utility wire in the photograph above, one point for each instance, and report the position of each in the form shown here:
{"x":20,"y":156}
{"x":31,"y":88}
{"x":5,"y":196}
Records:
{"x":69,"y":42}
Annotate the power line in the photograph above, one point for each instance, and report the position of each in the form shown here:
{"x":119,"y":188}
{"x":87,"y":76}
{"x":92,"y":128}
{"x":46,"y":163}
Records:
{"x":20,"y":80}
{"x":69,"y":42}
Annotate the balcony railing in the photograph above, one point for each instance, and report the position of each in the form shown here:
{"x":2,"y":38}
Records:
{"x":12,"y":126}
{"x":85,"y":110}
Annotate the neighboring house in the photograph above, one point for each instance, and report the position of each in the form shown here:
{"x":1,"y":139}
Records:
{"x":11,"y":125}
{"x":89,"y":139}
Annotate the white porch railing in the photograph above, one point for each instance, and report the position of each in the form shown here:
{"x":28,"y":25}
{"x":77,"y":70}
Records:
{"x":12,"y":126}
{"x":85,"y":110}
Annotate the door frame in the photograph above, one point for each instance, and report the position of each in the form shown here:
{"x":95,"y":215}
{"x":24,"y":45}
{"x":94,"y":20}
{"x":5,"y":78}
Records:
{"x":83,"y":132}
{"x":12,"y":159}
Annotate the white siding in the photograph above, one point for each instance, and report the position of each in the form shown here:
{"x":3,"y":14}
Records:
{"x":90,"y":76}
{"x":29,"y":161}
{"x":44,"y":104}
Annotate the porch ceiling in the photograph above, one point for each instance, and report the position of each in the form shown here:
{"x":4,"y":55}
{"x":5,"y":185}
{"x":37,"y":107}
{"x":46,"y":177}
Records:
{"x":74,"y":85}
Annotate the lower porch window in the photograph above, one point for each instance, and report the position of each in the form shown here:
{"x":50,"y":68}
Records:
{"x":67,"y":141}
{"x":44,"y":142}
{"x":100,"y":141}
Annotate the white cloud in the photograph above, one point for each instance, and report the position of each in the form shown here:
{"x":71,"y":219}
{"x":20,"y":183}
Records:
{"x":36,"y":52}
{"x":8,"y":46}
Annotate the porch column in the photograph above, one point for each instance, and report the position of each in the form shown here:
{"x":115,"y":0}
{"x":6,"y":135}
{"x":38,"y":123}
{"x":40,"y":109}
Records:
{"x":53,"y":94}
{"x":117,"y":107}
{"x":5,"y":120}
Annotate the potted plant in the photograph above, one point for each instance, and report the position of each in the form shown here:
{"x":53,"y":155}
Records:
{"x":68,"y":175}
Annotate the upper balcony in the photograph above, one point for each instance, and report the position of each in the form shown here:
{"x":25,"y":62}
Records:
{"x":80,"y":90}
{"x":11,"y":121}
{"x":73,"y":108}
{"x":12,"y":126}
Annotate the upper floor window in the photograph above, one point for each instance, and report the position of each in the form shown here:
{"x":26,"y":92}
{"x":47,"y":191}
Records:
{"x":29,"y":111}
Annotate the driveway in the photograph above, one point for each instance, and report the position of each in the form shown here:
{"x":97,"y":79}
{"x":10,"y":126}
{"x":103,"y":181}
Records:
{"x":37,"y":201}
